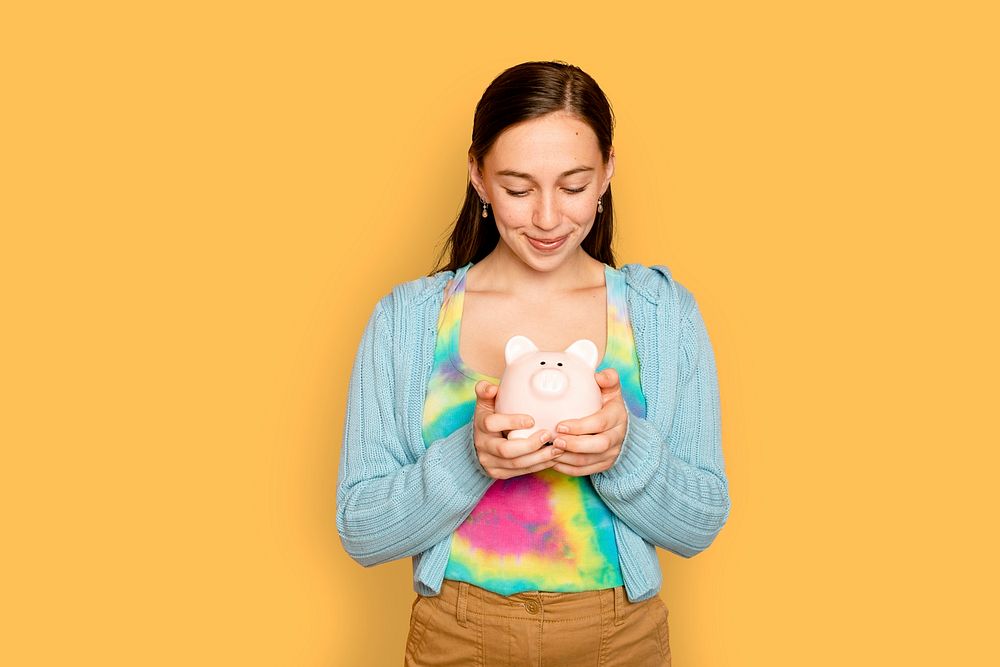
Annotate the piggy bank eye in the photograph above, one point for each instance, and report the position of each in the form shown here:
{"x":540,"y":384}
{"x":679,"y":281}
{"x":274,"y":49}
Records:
{"x":542,"y":363}
{"x":559,"y":363}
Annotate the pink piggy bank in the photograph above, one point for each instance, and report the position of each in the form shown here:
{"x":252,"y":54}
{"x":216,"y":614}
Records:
{"x":549,"y":386}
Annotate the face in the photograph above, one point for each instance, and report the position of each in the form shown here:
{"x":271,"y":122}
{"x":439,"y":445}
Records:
{"x":542,"y":178}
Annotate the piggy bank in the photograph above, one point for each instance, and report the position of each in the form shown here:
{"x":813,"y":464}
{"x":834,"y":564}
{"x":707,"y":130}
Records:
{"x":549,"y":386}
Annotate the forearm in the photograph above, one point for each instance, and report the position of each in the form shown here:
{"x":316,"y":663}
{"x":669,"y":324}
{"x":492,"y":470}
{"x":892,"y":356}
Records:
{"x":406,"y":510}
{"x":671,"y":503}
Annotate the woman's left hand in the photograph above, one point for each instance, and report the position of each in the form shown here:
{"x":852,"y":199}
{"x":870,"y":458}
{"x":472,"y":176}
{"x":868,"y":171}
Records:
{"x":591,"y":444}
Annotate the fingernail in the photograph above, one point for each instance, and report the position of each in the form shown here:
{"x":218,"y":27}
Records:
{"x":556,"y":452}
{"x":525,"y":422}
{"x":559,"y":442}
{"x":545,"y":436}
{"x":563,"y":429}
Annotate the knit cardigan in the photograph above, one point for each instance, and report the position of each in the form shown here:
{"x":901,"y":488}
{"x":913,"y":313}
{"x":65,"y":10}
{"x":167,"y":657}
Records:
{"x":398,"y":496}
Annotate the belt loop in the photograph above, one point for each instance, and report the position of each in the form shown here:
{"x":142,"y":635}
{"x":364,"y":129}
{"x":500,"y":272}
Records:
{"x":619,"y":605}
{"x":463,"y":603}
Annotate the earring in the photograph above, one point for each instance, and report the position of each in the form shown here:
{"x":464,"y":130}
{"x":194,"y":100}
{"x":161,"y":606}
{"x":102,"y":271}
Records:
{"x":485,"y":215}
{"x":600,"y":207}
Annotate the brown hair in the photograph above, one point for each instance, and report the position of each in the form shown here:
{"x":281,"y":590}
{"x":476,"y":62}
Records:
{"x":520,"y":93}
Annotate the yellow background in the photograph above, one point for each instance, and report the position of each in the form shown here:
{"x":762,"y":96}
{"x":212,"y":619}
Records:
{"x":201,"y":203}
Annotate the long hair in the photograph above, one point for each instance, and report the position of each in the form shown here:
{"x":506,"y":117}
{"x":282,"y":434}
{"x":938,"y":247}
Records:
{"x":520,"y":93}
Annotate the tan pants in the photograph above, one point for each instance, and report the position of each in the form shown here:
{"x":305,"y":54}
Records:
{"x":468,"y":626}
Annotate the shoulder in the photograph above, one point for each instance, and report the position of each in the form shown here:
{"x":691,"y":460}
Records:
{"x":659,"y":299}
{"x":422,"y":292}
{"x":657,"y":285}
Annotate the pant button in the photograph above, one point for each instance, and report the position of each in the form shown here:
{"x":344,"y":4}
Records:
{"x":531,"y":606}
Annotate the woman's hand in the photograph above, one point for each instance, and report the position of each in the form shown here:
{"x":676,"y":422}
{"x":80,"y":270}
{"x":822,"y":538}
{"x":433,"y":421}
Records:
{"x":592,"y":443}
{"x":500,"y":457}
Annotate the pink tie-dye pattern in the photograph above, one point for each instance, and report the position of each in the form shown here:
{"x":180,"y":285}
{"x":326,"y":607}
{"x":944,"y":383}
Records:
{"x":514,"y":517}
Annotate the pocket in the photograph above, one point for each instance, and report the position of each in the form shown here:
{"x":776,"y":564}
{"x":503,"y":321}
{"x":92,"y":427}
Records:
{"x":662,"y":627}
{"x":419,"y":617}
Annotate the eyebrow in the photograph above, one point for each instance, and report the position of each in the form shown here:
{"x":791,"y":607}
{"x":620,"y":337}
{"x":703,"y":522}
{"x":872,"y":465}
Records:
{"x":521,"y":174}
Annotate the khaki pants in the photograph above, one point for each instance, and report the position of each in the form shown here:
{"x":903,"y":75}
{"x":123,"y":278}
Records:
{"x":468,"y":626}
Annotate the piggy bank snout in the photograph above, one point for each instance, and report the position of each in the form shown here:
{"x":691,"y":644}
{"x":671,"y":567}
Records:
{"x":550,"y":382}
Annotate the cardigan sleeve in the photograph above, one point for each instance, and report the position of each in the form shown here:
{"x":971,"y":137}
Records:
{"x":672,"y":489}
{"x":389,"y":505}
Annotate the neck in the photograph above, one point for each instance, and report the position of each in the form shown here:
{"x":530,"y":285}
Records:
{"x":504,"y":271}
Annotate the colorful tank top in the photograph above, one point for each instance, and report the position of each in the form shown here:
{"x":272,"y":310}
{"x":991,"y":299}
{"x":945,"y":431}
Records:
{"x":544,"y":531}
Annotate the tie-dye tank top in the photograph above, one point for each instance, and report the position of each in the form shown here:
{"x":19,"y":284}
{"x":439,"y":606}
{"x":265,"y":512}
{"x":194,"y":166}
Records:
{"x":545,"y":530}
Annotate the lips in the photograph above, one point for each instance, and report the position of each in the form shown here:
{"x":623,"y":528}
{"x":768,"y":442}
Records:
{"x":550,"y":244}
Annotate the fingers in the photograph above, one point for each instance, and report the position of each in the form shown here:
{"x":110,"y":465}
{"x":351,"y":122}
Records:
{"x":519,"y":465}
{"x":509,"y":458}
{"x":608,"y":378}
{"x":488,"y":419}
{"x":611,"y":389}
{"x":583,"y":460}
{"x":599,"y":422}
{"x":588,"y":445}
{"x":517,"y":448}
{"x":497,"y":422}
{"x":535,"y":468}
{"x":613,"y":413}
{"x":485,"y":393}
{"x":507,"y":474}
{"x":597,"y":443}
{"x":581,"y":471}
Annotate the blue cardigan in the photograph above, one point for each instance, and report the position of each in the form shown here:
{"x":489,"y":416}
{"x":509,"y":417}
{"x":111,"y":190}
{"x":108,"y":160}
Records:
{"x":399,"y":497}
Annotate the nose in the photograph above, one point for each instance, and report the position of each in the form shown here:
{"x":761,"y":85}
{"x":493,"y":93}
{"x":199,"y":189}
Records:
{"x":549,"y":383}
{"x":546,"y":214}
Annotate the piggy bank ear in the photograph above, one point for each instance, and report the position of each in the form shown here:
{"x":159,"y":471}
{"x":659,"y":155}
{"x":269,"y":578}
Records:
{"x":585,"y":350}
{"x":518,"y":346}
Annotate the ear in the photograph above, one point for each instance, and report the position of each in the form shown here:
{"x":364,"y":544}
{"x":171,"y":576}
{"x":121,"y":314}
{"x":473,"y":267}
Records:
{"x":516,"y":347}
{"x":476,"y":177}
{"x":585,"y":350}
{"x":609,"y":172}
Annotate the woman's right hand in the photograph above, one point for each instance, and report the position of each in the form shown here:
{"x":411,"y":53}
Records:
{"x":500,"y":457}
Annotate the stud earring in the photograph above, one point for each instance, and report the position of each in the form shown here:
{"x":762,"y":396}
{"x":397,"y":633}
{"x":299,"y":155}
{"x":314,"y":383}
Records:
{"x":485,"y":215}
{"x":600,"y":207}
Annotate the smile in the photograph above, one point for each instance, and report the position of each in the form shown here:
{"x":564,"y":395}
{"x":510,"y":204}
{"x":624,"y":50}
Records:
{"x":547,"y":245}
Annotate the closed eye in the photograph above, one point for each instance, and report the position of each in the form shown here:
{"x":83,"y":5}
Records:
{"x":516,"y":193}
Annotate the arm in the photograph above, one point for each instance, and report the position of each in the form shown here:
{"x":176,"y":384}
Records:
{"x":672,"y":490}
{"x":388,"y":505}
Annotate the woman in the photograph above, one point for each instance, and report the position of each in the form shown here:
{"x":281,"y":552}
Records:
{"x":537,"y":550}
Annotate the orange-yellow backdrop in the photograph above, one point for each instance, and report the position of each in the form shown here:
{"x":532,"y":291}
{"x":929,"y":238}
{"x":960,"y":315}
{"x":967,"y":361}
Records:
{"x":202,"y":201}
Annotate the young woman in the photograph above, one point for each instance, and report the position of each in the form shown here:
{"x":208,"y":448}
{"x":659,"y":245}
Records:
{"x":540,"y":550}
